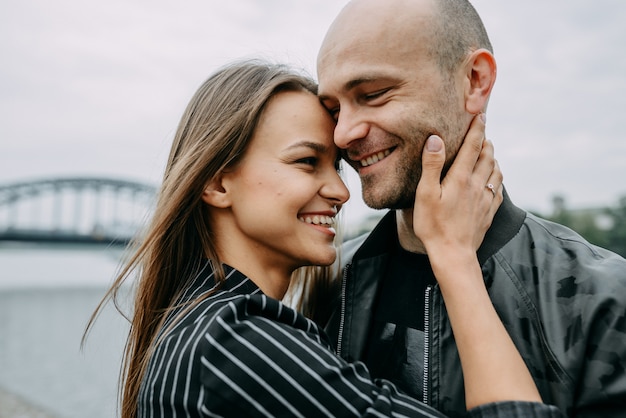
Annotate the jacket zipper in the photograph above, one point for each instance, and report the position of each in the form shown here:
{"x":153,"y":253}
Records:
{"x":342,"y":316}
{"x":426,"y":344}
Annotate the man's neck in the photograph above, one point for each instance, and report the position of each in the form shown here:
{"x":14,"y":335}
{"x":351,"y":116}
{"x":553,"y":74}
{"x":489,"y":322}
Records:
{"x":406,"y":235}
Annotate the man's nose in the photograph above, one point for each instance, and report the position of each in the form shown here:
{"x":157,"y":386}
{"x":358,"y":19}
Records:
{"x":350,"y":127}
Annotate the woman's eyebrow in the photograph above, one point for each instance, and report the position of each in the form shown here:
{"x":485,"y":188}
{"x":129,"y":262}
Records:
{"x":316,"y":146}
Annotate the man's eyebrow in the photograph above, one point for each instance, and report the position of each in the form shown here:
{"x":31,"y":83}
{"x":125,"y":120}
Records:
{"x":354,"y":83}
{"x":358,"y":81}
{"x":347,"y":87}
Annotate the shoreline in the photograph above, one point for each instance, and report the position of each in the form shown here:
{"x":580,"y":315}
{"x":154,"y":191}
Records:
{"x":15,"y":406}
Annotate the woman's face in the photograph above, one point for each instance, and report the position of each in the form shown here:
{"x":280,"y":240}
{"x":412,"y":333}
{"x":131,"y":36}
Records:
{"x":286,"y":191}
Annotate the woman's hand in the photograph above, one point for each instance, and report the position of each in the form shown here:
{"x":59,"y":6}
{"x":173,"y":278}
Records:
{"x":451,"y":218}
{"x":458,"y":210}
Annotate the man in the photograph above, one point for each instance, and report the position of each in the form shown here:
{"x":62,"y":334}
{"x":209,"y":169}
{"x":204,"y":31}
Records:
{"x":392,"y":73}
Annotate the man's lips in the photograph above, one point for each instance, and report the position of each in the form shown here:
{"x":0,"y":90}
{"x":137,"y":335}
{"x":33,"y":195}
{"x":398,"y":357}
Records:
{"x":373,"y":158}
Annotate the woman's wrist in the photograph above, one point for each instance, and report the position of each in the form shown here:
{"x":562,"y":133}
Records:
{"x":452,"y":264}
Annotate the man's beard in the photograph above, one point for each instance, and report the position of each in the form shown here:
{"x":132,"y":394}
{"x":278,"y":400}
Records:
{"x":404,"y":195}
{"x":401,"y":195}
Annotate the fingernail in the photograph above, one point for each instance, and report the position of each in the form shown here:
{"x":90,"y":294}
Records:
{"x":483,"y":117}
{"x":433,"y":143}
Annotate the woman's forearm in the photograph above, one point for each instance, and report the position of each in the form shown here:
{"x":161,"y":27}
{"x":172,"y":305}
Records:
{"x":493,"y":369}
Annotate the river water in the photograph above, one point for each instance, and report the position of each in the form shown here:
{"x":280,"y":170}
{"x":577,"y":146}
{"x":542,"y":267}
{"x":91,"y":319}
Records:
{"x":47,"y":294}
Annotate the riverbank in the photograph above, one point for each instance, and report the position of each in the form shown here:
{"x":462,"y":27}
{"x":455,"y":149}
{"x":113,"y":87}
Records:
{"x":47,"y":295}
{"x":13,"y":406}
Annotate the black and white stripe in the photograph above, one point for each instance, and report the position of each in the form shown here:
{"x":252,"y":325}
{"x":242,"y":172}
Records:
{"x":238,"y":353}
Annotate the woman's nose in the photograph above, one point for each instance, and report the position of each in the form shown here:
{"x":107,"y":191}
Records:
{"x":335,"y":189}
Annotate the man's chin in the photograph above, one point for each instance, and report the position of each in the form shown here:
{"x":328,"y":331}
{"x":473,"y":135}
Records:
{"x":388,"y":202}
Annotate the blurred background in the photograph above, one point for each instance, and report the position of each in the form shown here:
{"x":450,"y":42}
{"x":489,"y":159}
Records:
{"x":91,"y":93}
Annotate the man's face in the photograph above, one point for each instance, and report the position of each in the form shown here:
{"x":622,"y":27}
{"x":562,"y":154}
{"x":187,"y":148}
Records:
{"x":387,"y":95}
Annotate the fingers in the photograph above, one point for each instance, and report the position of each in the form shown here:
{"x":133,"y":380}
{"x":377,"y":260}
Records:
{"x":487,"y":170}
{"x":472,"y":146}
{"x":459,"y":209}
{"x":476,"y":161}
{"x":484,"y":168}
{"x":496,"y":179}
{"x":433,"y":159}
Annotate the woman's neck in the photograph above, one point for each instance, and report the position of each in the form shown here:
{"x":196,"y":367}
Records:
{"x":272,"y":281}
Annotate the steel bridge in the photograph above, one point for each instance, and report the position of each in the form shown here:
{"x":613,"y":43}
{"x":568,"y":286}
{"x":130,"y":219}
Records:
{"x":85,"y":210}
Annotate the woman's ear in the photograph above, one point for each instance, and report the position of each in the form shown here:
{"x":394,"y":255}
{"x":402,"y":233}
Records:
{"x":216,"y":195}
{"x":480,"y":78}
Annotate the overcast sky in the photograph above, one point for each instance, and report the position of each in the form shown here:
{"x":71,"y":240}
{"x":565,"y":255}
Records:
{"x":96,"y":88}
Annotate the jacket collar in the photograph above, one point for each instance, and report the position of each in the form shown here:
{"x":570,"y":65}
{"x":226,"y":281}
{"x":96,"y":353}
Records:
{"x":370,"y":259}
{"x":235,"y":281}
{"x":506,"y":224}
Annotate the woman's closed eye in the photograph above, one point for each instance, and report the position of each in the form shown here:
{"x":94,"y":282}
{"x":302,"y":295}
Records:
{"x":310,"y":161}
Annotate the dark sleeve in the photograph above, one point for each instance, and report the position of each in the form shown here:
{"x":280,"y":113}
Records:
{"x":515,"y":409}
{"x":263,"y":359}
{"x":601,"y":391}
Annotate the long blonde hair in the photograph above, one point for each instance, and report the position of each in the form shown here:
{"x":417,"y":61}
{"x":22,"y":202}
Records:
{"x":212,"y":136}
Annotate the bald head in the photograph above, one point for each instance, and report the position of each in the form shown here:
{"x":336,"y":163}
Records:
{"x":446,"y":30}
{"x":366,"y":25}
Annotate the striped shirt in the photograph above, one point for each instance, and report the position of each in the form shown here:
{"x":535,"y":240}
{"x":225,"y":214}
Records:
{"x":239,"y":353}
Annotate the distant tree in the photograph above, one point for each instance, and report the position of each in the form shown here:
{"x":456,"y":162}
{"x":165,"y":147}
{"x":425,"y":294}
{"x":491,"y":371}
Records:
{"x":611,"y":234}
{"x":586,"y":225}
{"x":560,"y":213}
{"x":617,"y":234}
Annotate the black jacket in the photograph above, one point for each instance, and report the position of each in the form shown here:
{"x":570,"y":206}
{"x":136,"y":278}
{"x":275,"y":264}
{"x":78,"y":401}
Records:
{"x":562,"y":300}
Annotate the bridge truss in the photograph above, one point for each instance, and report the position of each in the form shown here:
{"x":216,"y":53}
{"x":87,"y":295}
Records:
{"x":74,"y":210}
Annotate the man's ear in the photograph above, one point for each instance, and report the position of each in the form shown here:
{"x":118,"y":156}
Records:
{"x":216,"y":195}
{"x":480,"y":77}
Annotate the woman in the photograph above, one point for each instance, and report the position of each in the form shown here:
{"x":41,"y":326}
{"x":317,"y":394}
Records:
{"x":250,"y":195}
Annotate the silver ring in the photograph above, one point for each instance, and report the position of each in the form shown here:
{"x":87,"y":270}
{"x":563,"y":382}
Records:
{"x":491,"y":187}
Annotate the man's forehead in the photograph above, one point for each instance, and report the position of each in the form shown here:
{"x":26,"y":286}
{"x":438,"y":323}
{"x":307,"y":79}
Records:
{"x":361,"y":40}
{"x":342,"y":69}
